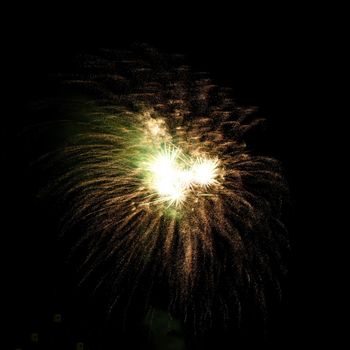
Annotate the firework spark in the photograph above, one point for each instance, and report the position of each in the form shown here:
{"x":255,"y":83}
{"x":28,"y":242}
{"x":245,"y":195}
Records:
{"x":172,"y":176}
{"x":160,"y":178}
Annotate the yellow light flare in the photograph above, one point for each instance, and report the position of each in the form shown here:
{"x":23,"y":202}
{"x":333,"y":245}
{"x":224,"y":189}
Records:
{"x":205,"y":171}
{"x":173,"y":175}
{"x":166,"y":177}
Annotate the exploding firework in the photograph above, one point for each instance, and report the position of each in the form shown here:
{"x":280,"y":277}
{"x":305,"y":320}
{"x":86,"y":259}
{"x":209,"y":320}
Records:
{"x":156,"y":174}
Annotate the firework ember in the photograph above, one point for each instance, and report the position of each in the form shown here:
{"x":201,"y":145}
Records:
{"x":156,"y":172}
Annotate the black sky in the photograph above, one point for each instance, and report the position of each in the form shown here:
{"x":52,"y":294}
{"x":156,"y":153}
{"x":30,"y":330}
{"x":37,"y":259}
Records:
{"x":263,"y":57}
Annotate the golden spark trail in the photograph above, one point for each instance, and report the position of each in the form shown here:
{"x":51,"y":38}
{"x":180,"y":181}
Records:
{"x":157,"y":175}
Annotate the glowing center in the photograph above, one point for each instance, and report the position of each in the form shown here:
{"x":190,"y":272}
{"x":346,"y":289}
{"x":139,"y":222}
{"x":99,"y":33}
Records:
{"x":173,"y":176}
{"x":204,"y":172}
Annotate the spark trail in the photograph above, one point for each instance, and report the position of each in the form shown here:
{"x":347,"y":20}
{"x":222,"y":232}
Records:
{"x":158,"y":174}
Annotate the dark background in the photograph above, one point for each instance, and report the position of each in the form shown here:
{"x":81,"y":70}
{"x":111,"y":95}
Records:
{"x":266,"y":58}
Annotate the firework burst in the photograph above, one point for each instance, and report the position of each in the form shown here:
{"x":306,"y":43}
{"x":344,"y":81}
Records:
{"x":158,"y":175}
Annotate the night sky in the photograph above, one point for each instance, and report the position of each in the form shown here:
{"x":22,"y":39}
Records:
{"x":264,"y":59}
